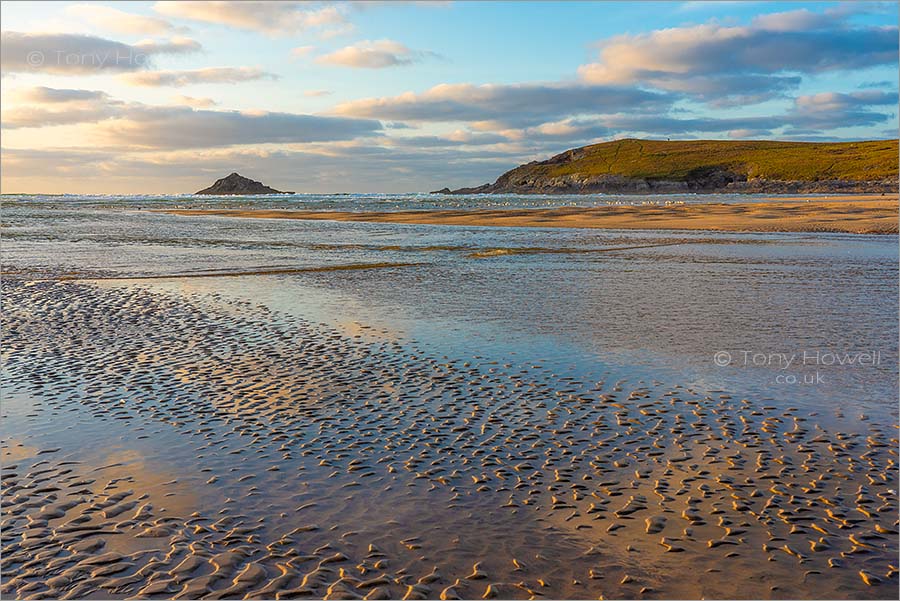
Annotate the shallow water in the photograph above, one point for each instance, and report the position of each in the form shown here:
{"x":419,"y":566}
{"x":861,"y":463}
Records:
{"x":784,"y":306}
{"x":483,"y":394}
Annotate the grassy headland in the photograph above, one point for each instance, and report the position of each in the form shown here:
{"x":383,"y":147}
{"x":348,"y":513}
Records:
{"x":708,"y":166}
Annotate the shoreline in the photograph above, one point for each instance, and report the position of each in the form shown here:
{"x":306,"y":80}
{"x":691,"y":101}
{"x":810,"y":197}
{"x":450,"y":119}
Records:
{"x":855,"y":214}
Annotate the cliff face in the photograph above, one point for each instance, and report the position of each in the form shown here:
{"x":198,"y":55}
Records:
{"x":236,"y":184}
{"x":653,"y":167}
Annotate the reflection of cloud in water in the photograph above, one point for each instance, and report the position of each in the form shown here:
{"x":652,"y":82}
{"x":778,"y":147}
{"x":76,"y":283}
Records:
{"x":368,"y":333}
{"x":157,"y":480}
{"x":15,"y":450}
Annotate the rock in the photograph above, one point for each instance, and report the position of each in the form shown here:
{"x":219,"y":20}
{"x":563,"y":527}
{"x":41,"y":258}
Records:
{"x":236,"y":184}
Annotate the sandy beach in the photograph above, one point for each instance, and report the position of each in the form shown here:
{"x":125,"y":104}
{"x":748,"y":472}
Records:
{"x":270,"y":409}
{"x":318,"y":451}
{"x":855,"y":214}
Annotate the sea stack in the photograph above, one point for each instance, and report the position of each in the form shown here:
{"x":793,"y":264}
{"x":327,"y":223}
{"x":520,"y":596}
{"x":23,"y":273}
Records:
{"x":237,"y":184}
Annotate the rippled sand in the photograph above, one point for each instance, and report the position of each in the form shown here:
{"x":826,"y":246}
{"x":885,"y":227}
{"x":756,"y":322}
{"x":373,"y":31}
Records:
{"x":857,"y":215}
{"x":205,"y":447}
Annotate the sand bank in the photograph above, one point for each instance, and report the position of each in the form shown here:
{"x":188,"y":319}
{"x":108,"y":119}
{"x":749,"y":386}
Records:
{"x":260,"y":455}
{"x":813,"y":215}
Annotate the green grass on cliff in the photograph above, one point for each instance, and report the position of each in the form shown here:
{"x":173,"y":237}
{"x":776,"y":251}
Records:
{"x":785,"y":161}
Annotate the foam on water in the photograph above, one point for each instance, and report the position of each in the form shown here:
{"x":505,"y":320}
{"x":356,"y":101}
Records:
{"x":380,"y":202}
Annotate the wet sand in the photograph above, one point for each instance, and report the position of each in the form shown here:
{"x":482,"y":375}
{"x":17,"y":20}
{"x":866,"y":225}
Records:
{"x":294,"y":460}
{"x":852,"y":214}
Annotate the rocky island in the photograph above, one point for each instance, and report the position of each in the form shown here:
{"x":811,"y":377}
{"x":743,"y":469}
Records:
{"x":236,"y":184}
{"x":633,"y":166}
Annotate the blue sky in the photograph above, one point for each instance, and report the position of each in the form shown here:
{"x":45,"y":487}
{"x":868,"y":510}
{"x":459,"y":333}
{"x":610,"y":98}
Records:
{"x":384,"y":96}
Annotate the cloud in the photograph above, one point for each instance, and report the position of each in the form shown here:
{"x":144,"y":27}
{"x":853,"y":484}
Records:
{"x":178,"y":79}
{"x":376,"y":54}
{"x":810,"y":115}
{"x":796,"y":20}
{"x":458,"y":138}
{"x":715,"y":61}
{"x":302,"y":51}
{"x":42,"y":107}
{"x":740,"y":134}
{"x":119,"y":21}
{"x":74,"y":54}
{"x":642,"y":85}
{"x":567,"y":130}
{"x":724,"y":91}
{"x":197,"y":103}
{"x":336,"y":31}
{"x":829,"y":101}
{"x":44,"y":95}
{"x":502,"y":106}
{"x":181,"y":127}
{"x":673,"y":126}
{"x":135,"y":125}
{"x":833,"y":110}
{"x":273,"y":18}
{"x":178,"y":45}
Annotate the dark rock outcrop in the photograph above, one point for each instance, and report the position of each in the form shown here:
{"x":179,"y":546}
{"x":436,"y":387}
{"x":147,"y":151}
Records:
{"x":236,"y":184}
{"x":717,"y":182}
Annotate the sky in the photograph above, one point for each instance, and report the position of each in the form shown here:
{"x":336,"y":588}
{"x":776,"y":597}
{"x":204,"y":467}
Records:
{"x":166,"y":97}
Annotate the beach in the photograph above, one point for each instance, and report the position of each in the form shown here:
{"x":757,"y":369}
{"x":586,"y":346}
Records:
{"x":200,"y":406}
{"x":325,"y":300}
{"x":853,"y":214}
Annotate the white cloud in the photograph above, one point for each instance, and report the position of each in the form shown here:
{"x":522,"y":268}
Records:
{"x":833,"y":110}
{"x":640,"y":85}
{"x":121,"y":124}
{"x":177,"y":79}
{"x":273,"y":18}
{"x":45,"y":95}
{"x":376,"y":54}
{"x":493,"y":107}
{"x":175,"y":45}
{"x":194,"y":102}
{"x":119,"y":21}
{"x":177,"y":127}
{"x":42,"y":107}
{"x":456,"y":139}
{"x":829,"y":101}
{"x":750,"y":63}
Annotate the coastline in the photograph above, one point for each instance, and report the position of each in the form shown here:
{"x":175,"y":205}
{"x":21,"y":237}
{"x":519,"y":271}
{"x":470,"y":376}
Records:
{"x":853,"y":214}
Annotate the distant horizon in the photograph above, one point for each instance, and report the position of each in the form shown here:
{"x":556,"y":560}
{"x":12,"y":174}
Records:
{"x":423,"y":191}
{"x":114,"y":98}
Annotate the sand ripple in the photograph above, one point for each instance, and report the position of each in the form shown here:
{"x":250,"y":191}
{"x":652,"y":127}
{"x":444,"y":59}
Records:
{"x":311,"y":464}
